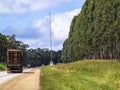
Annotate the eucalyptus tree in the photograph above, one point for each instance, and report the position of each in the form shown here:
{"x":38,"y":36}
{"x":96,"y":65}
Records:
{"x":95,"y":32}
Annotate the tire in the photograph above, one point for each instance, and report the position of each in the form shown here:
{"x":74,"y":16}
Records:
{"x":8,"y":71}
{"x":20,"y":71}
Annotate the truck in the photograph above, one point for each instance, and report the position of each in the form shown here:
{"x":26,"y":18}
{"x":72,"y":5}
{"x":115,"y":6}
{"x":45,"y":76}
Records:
{"x":14,"y":61}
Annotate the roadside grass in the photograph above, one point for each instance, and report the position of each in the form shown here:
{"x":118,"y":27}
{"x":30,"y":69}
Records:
{"x":2,"y":66}
{"x":82,"y":75}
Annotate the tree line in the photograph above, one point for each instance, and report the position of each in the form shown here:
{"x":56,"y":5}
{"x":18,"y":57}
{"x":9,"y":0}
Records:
{"x":31,"y":57}
{"x":95,"y":32}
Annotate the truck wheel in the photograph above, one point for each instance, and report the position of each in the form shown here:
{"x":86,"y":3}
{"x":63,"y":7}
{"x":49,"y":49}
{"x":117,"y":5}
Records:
{"x":8,"y":71}
{"x":20,"y":71}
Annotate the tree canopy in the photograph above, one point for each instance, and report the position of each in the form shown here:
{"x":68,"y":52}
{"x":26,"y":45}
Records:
{"x":95,"y":32}
{"x":31,"y":57}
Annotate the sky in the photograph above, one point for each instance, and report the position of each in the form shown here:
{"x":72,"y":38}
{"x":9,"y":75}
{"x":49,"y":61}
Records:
{"x":29,"y":20}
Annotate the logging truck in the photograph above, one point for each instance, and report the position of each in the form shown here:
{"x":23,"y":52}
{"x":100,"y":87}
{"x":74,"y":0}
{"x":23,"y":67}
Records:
{"x":14,"y":61}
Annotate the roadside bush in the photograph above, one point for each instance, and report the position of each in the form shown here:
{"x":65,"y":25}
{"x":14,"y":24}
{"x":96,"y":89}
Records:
{"x":2,"y":66}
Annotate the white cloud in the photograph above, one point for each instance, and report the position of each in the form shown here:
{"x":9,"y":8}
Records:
{"x":38,"y":35}
{"x":22,"y":6}
{"x":60,"y":26}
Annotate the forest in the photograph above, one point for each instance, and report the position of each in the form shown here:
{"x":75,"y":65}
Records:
{"x":33,"y":57}
{"x":95,"y":32}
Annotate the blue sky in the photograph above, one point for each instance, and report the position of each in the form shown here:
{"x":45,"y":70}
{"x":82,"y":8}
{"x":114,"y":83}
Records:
{"x":29,"y":20}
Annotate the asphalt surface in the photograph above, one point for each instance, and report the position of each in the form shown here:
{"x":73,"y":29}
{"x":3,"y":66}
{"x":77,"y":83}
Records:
{"x":28,"y":80}
{"x":4,"y":76}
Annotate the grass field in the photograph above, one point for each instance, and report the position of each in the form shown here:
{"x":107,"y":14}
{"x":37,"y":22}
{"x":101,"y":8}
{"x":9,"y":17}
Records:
{"x":2,"y":66}
{"x":82,"y":75}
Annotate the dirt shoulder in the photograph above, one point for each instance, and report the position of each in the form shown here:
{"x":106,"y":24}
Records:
{"x":27,"y":81}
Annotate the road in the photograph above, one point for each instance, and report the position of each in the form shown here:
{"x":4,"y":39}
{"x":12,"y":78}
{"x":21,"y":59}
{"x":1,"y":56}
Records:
{"x":28,"y":80}
{"x":4,"y":76}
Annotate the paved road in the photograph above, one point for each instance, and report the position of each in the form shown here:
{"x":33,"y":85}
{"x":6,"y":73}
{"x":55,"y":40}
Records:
{"x":4,"y":76}
{"x":26,"y":81}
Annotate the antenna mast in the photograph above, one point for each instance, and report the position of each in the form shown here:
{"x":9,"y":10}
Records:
{"x":50,"y":36}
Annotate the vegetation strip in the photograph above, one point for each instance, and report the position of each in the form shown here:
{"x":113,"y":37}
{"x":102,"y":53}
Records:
{"x":82,"y":75}
{"x":95,"y":32}
{"x":2,"y":66}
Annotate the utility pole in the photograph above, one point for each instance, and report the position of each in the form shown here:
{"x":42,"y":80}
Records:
{"x":51,"y":62}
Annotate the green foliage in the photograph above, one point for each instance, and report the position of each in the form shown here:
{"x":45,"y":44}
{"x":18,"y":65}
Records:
{"x":95,"y":32}
{"x":10,"y":42}
{"x":82,"y":75}
{"x":2,"y":66}
{"x":30,"y":57}
{"x":38,"y":57}
{"x":3,"y":47}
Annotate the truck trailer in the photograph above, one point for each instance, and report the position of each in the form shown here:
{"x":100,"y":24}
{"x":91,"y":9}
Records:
{"x":14,"y":61}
